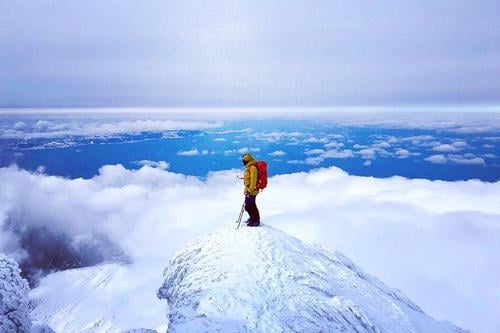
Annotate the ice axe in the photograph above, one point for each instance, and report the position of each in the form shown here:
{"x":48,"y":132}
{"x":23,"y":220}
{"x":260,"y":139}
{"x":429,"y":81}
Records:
{"x":238,"y":221}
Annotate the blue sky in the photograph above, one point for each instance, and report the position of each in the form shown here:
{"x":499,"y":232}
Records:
{"x":115,"y":53}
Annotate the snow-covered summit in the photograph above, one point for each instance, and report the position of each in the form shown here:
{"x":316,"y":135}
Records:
{"x":263,"y":280}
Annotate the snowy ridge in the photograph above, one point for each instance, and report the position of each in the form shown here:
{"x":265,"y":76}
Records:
{"x":263,"y":280}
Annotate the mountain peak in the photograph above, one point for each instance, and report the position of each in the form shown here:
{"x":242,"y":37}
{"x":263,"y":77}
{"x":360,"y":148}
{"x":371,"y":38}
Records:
{"x":264,"y":280}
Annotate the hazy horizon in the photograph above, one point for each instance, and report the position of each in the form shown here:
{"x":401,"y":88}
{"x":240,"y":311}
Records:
{"x":493,"y":107}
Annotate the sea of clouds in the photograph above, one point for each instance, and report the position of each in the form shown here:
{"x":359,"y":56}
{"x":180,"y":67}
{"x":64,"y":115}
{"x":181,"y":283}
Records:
{"x":60,"y":128}
{"x":63,"y":128}
{"x":437,"y":241}
{"x":52,"y":123}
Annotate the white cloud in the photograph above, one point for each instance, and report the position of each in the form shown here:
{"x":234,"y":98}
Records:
{"x":242,"y":150}
{"x":97,"y":126}
{"x":278,"y":136}
{"x":382,"y":152}
{"x":459,"y":144}
{"x":154,"y":164}
{"x":392,"y":139}
{"x":233,"y":131}
{"x":315,"y":140}
{"x":446,"y":148}
{"x":429,"y":144}
{"x":419,"y":118}
{"x":314,"y":160}
{"x":314,"y":151}
{"x":317,"y":160}
{"x":366,"y":153}
{"x":277,"y":153}
{"x":459,"y":159}
{"x":191,"y":152}
{"x":381,"y":144}
{"x":367,"y":163}
{"x":436,"y":159}
{"x":19,"y":125}
{"x":490,"y":156}
{"x":402,"y":153}
{"x":334,"y":144}
{"x":346,"y":153}
{"x":295,"y":162}
{"x":410,"y":118}
{"x":415,"y":235}
{"x":487,"y":145}
{"x":417,"y":139}
{"x":171,"y":135}
{"x":220,"y":139}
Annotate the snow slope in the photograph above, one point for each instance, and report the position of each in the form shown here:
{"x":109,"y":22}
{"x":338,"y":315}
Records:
{"x":263,"y":280}
{"x":104,"y":298}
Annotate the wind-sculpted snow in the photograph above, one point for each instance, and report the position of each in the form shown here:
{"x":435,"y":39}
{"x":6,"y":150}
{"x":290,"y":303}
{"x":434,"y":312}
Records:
{"x":263,"y":280}
{"x":14,"y":314}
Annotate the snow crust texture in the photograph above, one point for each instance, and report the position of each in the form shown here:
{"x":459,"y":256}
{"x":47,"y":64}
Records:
{"x":14,"y":290}
{"x":263,"y":280}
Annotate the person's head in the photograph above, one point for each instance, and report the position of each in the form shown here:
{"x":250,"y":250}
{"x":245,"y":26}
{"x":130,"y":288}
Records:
{"x":245,"y":158}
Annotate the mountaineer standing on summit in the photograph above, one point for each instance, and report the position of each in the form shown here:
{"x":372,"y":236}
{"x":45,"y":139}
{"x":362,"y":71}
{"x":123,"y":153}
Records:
{"x":250,"y":178}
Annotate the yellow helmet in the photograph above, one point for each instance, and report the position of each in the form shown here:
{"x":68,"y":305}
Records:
{"x":245,"y":158}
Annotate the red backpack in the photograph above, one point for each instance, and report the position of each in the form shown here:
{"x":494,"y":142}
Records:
{"x":261,"y":175}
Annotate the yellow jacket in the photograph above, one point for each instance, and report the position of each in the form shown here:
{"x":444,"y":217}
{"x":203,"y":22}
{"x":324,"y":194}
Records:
{"x":250,"y":175}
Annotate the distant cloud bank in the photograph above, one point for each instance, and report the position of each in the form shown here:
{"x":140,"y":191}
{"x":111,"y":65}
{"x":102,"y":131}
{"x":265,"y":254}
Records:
{"x":95,"y":126}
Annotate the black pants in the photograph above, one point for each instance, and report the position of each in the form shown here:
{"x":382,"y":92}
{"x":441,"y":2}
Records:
{"x":251,"y":208}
